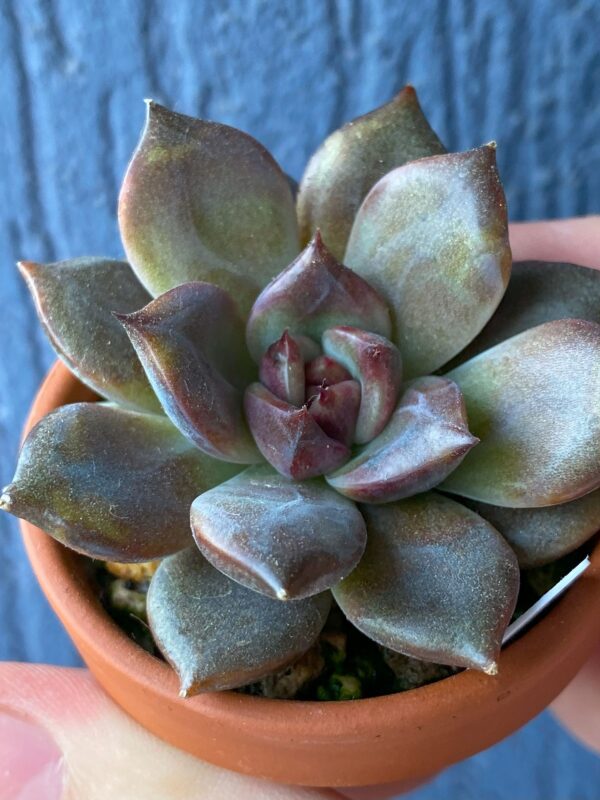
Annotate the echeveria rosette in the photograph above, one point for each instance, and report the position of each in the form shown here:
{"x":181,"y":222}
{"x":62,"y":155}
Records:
{"x":291,"y":416}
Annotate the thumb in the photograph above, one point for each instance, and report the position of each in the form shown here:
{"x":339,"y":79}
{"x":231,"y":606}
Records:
{"x":62,"y":738}
{"x":575,"y":240}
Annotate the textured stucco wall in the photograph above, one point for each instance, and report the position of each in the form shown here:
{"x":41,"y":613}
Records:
{"x":72,"y":77}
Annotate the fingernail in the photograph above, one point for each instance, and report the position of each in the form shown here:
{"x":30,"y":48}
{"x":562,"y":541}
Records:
{"x":31,"y":765}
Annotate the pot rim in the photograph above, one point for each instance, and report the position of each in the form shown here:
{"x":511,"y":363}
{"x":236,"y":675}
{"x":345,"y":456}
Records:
{"x":524,"y":662}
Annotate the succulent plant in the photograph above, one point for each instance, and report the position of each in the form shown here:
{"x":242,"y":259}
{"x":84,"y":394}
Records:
{"x":272,"y":370}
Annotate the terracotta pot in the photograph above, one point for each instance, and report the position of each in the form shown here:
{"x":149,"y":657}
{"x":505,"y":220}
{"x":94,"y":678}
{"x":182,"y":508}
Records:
{"x":398,"y":737}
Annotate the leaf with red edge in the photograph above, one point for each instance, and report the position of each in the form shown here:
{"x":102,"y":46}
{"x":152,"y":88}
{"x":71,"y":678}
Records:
{"x":314,"y":293}
{"x":426,"y":438}
{"x":190,"y":341}
{"x":282,"y":370}
{"x":437,"y":582}
{"x":114,"y":484}
{"x":354,"y":158}
{"x":432,"y":237}
{"x":284,"y":538}
{"x":203,"y":201}
{"x":377,"y":364}
{"x":289,"y":437}
{"x":335,"y":408}
{"x":74,"y":300}
{"x":219,"y":635}
{"x":324,"y":368}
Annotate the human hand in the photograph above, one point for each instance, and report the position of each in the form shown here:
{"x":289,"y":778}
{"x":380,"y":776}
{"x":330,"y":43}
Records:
{"x":62,"y":738}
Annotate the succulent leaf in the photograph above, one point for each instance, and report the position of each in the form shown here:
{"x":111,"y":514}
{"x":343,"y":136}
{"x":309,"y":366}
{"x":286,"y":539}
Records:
{"x":203,"y":201}
{"x":542,"y":535}
{"x":284,"y":538}
{"x":314,"y":293}
{"x":323,"y":368}
{"x":425,"y":439}
{"x":432,"y":237}
{"x":539,"y":292}
{"x":336,"y":408}
{"x":437,"y":582}
{"x":74,"y":300}
{"x":113,"y":484}
{"x":533,"y":401}
{"x":289,"y":437}
{"x":377,"y":364}
{"x":282,"y":370}
{"x":354,"y":158}
{"x":190,"y":341}
{"x":219,"y":635}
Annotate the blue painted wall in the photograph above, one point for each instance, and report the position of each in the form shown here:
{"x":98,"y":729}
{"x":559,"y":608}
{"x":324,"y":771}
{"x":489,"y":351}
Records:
{"x":72,"y":77}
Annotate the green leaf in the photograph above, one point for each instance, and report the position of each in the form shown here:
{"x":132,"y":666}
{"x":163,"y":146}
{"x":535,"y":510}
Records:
{"x":114,"y":484}
{"x":542,"y":535}
{"x":203,"y":201}
{"x":280,"y":537}
{"x":376,"y":364}
{"x":74,"y":300}
{"x":426,"y":438}
{"x":432,"y":237}
{"x":354,"y":158}
{"x":190,"y":341}
{"x":533,"y":401}
{"x":539,"y":292}
{"x":314,"y":293}
{"x":437,"y":582}
{"x":219,"y":635}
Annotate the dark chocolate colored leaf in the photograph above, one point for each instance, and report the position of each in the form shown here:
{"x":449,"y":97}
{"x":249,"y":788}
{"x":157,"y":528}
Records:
{"x":314,"y":293}
{"x":219,"y":635}
{"x":335,"y":408}
{"x":426,"y":438}
{"x":190,"y":341}
{"x":354,"y":158}
{"x":74,"y":300}
{"x":437,"y":582}
{"x":113,"y":484}
{"x":534,"y":402}
{"x":203,"y":201}
{"x":432,"y":237}
{"x":284,"y":538}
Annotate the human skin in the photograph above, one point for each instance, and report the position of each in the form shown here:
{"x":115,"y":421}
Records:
{"x":62,"y":738}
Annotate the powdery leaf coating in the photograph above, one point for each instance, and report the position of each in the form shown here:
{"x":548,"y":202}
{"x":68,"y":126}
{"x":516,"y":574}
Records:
{"x":314,"y":293}
{"x":336,"y":408}
{"x":533,"y":401}
{"x":283,"y":538}
{"x":432,"y":237}
{"x":203,"y":201}
{"x":113,"y":484}
{"x":377,"y":364}
{"x":354,"y":158}
{"x":437,"y":582}
{"x":426,"y":438}
{"x":74,"y":300}
{"x":282,"y":370}
{"x":542,"y":535}
{"x":539,"y":292}
{"x":219,"y":635}
{"x":190,"y":341}
{"x":289,"y":437}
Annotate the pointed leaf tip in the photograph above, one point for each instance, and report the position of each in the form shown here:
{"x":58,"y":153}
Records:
{"x":284,"y":538}
{"x":204,"y":201}
{"x":350,"y":161}
{"x":437,"y":582}
{"x":219,"y":635}
{"x":432,"y":237}
{"x":314,"y":293}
